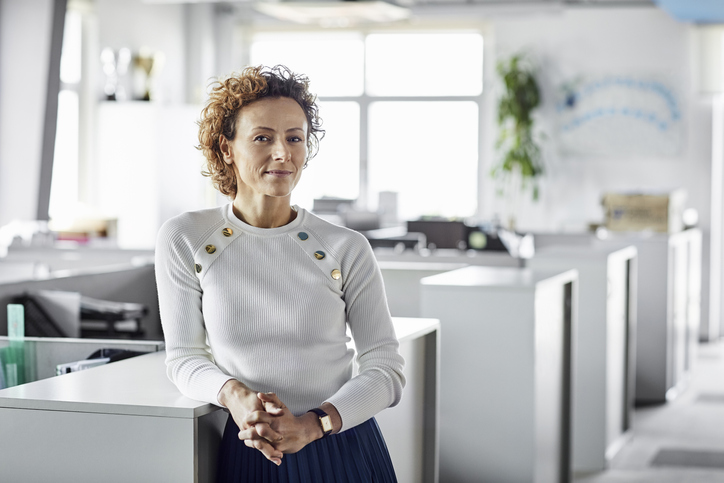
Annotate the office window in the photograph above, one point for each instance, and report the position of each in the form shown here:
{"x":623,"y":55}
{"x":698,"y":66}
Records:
{"x":64,"y":185}
{"x":428,"y":153}
{"x":401,"y":112}
{"x":335,"y":170}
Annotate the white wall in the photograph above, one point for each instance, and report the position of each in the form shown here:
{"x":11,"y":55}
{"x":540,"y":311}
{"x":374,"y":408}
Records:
{"x":642,"y":42}
{"x":160,"y":27}
{"x":606,"y":41}
{"x":149,"y":168}
{"x":25,"y":32}
{"x":144,"y":151}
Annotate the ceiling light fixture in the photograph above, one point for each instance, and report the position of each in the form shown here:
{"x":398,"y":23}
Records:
{"x":334,"y":14}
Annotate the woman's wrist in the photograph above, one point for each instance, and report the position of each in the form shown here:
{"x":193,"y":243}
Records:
{"x":232,"y":389}
{"x":312,"y":427}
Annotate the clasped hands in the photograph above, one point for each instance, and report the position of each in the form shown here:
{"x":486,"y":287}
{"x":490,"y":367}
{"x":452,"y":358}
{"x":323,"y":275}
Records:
{"x":265,"y":422}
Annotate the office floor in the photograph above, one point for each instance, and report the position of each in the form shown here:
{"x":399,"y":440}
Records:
{"x":681,"y":441}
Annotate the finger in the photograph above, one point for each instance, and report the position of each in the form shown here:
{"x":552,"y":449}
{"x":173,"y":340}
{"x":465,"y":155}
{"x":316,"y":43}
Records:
{"x":247,"y":434}
{"x":258,"y":417}
{"x":269,"y":452}
{"x":272,"y":403}
{"x":266,"y":432}
{"x":260,"y":430}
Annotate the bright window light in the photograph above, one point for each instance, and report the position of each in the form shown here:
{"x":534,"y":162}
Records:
{"x":70,"y":59}
{"x":428,"y":153}
{"x":335,"y":170}
{"x":64,"y":186}
{"x":425,"y":151}
{"x":333,"y":63}
{"x":424,"y":64}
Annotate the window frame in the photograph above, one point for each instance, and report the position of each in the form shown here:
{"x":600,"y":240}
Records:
{"x":364,"y":100}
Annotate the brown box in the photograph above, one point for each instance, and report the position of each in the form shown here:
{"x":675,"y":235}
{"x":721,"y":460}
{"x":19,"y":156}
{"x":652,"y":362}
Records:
{"x":660,"y":212}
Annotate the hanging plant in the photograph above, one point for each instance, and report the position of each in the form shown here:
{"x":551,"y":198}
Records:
{"x":520,"y":156}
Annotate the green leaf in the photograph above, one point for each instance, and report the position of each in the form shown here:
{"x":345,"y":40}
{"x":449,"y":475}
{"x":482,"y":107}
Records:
{"x":516,"y":143}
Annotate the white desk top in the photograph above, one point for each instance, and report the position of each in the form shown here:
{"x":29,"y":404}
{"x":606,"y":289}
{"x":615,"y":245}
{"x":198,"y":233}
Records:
{"x":420,"y":265}
{"x":409,"y":328}
{"x":137,"y":386}
{"x":498,"y":277}
{"x":446,"y":255}
{"x":585,"y":252}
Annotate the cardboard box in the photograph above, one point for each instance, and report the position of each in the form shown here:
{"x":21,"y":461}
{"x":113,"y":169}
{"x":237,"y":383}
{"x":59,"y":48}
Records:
{"x":660,"y":212}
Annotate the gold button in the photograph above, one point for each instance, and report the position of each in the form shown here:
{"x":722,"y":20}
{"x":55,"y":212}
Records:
{"x":319,"y":254}
{"x":336,"y":274}
{"x":198,"y":268}
{"x":227,"y":231}
{"x":210,"y":249}
{"x":302,"y":236}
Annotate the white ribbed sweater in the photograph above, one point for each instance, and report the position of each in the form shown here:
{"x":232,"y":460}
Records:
{"x":263,"y":309}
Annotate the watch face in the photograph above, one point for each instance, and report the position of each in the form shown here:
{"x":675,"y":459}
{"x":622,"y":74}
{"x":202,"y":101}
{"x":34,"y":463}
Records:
{"x":326,"y":423}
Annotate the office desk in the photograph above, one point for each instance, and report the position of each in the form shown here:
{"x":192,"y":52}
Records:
{"x":126,"y":421}
{"x":119,"y":422}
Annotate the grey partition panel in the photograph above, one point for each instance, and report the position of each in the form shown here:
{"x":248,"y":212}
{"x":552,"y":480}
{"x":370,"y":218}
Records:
{"x":506,"y":357}
{"x":125,"y":283}
{"x":45,"y":353}
{"x":411,"y":428}
{"x":603,"y":340}
{"x":105,"y":447}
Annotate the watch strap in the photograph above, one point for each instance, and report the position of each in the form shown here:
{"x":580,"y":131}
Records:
{"x":322,"y":416}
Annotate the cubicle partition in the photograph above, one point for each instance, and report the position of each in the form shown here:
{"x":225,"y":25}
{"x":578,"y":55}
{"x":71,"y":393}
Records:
{"x":402,"y":283}
{"x":79,"y":257}
{"x":121,"y":283}
{"x":402,"y":272}
{"x":604,"y":376}
{"x":506,"y":366}
{"x":668,"y":304}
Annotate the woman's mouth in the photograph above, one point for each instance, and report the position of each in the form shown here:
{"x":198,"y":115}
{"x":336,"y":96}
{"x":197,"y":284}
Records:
{"x":279,"y":173}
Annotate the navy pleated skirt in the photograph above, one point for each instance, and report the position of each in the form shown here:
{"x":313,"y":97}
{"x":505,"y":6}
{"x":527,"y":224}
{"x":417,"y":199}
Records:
{"x":357,"y":455}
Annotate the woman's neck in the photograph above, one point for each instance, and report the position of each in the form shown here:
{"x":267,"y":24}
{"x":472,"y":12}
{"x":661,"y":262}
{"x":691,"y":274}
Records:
{"x":266,"y":213}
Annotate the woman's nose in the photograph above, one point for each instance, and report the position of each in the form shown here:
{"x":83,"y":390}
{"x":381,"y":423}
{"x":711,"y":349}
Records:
{"x":281,"y":151}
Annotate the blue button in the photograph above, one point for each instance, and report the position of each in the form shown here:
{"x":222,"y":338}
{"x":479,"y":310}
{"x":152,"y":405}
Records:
{"x":302,"y":236}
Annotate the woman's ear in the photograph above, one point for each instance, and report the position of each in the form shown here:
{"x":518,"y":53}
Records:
{"x":225,"y":148}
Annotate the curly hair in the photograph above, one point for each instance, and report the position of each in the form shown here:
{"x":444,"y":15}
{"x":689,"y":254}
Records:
{"x":228,"y":96}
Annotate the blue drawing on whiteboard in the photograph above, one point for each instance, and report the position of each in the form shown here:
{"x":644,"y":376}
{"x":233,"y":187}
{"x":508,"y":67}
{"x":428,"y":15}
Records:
{"x":620,"y":115}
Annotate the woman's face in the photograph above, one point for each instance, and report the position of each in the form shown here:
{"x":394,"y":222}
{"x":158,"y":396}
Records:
{"x":270,"y":148}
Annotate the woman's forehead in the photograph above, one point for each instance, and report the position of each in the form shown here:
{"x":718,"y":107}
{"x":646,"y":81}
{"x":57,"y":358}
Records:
{"x":271,"y":111}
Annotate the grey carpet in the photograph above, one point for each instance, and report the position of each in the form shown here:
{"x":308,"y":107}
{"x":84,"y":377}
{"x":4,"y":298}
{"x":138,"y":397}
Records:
{"x":710,"y":398}
{"x":688,"y":457}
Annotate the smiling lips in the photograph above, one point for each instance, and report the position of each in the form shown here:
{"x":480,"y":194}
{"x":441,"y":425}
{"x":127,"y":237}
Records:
{"x":279,"y":173}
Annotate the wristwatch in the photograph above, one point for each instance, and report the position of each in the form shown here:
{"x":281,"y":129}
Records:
{"x":324,"y":419}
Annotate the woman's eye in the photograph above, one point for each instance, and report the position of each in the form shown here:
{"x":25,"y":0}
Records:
{"x":295,"y":139}
{"x":261,"y":138}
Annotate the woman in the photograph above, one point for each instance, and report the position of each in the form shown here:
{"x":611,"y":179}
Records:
{"x":256,"y":297}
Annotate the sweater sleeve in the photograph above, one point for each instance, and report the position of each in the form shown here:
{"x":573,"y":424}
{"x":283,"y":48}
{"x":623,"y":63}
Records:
{"x":189,"y":363}
{"x":380,"y":380}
